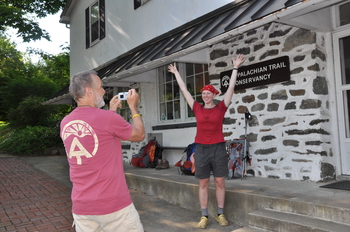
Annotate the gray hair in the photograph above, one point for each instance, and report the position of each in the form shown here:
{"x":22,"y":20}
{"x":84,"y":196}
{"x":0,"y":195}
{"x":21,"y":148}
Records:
{"x":79,"y":82}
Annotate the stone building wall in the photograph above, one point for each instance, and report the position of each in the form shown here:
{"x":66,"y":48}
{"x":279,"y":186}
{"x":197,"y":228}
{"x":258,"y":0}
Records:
{"x":290,"y":132}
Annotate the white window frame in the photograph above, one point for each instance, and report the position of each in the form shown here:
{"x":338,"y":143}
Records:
{"x":337,"y":14}
{"x":100,"y":21}
{"x":93,"y":42}
{"x":183,"y":104}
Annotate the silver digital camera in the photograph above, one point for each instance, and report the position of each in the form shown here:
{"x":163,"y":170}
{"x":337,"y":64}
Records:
{"x":122,"y":96}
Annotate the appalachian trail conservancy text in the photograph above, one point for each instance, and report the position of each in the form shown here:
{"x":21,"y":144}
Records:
{"x":263,"y":73}
{"x":259,"y":72}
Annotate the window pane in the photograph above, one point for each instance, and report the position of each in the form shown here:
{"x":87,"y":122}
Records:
{"x":344,"y":14}
{"x":346,"y":100}
{"x":169,"y":76}
{"x":176,"y":91}
{"x":94,"y":22}
{"x":199,"y":68}
{"x":190,"y":85}
{"x":199,"y":83}
{"x":94,"y":31}
{"x":177,"y":109}
{"x":162,"y":112}
{"x":168,"y":91}
{"x":94,"y":13}
{"x":206,"y":78}
{"x":170,"y":111}
{"x":345,"y":59}
{"x":124,"y":111}
{"x":190,"y":113}
{"x":189,"y":69}
{"x":199,"y":99}
{"x":205,"y":67}
{"x":161,"y":93}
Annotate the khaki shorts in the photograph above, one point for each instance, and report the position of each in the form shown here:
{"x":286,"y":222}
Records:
{"x":126,"y":219}
{"x":211,"y":157}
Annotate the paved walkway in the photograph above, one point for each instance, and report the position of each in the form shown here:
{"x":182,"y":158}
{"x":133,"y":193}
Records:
{"x":35,"y":197}
{"x":30,"y":200}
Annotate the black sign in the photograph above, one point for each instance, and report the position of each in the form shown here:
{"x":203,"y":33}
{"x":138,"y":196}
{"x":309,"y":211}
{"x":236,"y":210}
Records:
{"x":263,"y":73}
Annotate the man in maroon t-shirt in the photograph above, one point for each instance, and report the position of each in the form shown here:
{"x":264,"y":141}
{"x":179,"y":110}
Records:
{"x":92,"y":138}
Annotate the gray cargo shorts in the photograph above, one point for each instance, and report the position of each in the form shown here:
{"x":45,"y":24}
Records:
{"x":211,"y":157}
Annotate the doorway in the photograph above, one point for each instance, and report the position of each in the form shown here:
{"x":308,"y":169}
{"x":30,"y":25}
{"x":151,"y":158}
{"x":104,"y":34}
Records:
{"x":341,"y":41}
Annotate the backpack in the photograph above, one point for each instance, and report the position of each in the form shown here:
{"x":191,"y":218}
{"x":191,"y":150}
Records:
{"x":148,"y":155}
{"x":186,"y":163}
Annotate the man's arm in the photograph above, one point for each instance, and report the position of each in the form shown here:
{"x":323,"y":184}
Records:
{"x":138,"y":130}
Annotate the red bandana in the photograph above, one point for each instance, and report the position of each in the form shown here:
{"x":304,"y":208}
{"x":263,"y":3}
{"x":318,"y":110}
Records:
{"x":211,"y":89}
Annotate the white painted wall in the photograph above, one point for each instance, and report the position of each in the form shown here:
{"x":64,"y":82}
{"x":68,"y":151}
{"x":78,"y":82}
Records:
{"x":127,"y":28}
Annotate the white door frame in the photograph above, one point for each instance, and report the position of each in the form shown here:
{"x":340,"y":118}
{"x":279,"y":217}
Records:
{"x":340,"y":88}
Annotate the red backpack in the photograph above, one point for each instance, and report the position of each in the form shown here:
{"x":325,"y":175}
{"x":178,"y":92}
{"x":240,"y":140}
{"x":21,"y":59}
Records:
{"x":148,"y":155}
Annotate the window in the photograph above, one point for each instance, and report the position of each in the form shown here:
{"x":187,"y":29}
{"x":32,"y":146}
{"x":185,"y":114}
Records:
{"x":95,"y":23}
{"x":124,"y":111}
{"x":344,"y":16}
{"x":195,"y":77}
{"x":110,"y":93}
{"x":169,"y":95}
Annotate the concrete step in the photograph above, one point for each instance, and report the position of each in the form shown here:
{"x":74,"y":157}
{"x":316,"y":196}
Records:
{"x":249,"y":229}
{"x":320,"y":210}
{"x":245,"y":196}
{"x":280,"y":221}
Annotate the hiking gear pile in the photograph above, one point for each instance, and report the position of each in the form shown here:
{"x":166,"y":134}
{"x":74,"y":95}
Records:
{"x":186,"y":165}
{"x":148,"y":155}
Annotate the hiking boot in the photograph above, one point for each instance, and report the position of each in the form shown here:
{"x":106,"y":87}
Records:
{"x":165,"y":164}
{"x":203,"y":223}
{"x":160,"y":163}
{"x":222,"y":220}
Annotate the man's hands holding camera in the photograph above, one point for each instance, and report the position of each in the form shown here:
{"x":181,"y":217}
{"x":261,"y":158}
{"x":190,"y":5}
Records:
{"x":131,"y":97}
{"x":122,"y":96}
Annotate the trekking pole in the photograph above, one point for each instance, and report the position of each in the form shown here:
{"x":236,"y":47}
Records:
{"x":247,"y":117}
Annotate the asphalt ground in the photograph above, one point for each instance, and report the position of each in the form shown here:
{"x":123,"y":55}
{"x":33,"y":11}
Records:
{"x":35,"y":196}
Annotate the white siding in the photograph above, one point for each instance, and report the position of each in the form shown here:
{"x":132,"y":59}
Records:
{"x":127,"y":28}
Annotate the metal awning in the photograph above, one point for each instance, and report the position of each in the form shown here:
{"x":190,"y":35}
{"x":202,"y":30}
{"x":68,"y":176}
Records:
{"x":235,"y":15}
{"x":217,"y":22}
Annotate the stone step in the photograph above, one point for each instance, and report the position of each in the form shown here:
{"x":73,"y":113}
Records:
{"x":244,"y":197}
{"x":249,"y":229}
{"x":280,"y":221}
{"x":319,"y":210}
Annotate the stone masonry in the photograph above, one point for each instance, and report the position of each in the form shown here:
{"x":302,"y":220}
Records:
{"x":290,"y":132}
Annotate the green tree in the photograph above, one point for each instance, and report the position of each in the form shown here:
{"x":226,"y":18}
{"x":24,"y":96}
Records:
{"x":20,"y":78}
{"x":30,"y":112}
{"x":22,"y":15}
{"x":12,"y":66}
{"x":55,"y":67}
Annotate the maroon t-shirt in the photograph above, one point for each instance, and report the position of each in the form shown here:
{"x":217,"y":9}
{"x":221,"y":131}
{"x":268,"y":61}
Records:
{"x":209,"y":123}
{"x":92,"y":138}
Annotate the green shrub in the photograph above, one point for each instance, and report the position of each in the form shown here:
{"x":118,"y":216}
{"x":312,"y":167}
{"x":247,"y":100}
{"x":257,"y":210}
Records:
{"x":31,"y":140}
{"x":31,"y":112}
